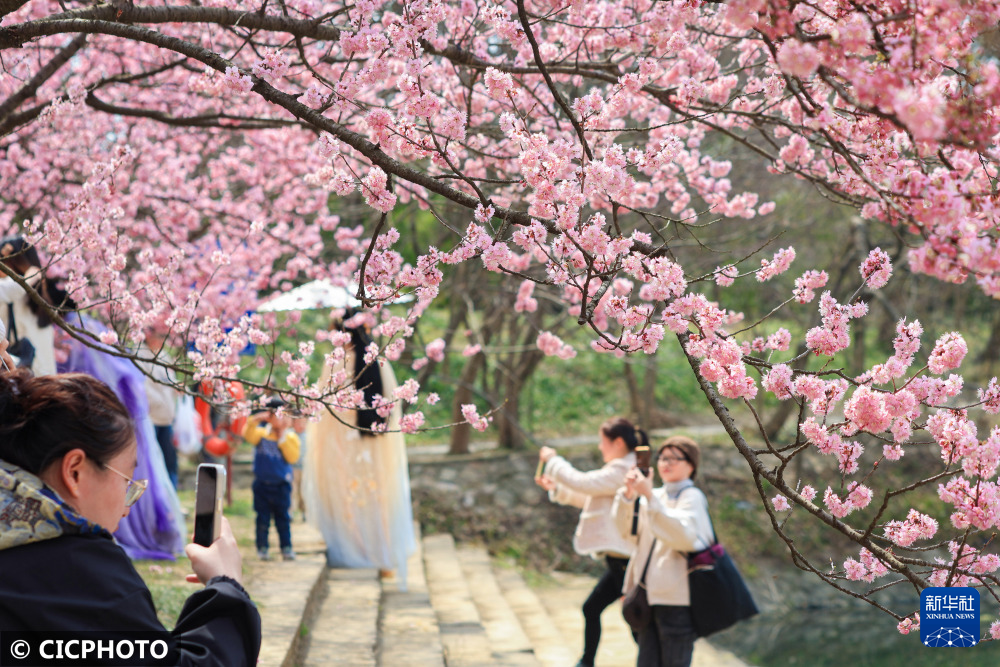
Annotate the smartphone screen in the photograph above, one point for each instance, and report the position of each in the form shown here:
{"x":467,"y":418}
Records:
{"x":208,"y":503}
{"x":642,"y":454}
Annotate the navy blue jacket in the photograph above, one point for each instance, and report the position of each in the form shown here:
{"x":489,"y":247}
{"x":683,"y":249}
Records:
{"x":87,"y":582}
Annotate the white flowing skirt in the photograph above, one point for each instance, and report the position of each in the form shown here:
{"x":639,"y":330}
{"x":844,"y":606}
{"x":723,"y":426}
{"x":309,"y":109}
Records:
{"x":357,"y":491}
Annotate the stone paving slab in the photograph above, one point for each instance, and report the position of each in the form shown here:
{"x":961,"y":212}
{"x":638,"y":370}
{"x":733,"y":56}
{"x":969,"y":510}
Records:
{"x":344,"y":629}
{"x":284,"y":592}
{"x":548,"y":643}
{"x":617,"y":648}
{"x":462,"y":635}
{"x":408,"y":627}
{"x":505,"y":633}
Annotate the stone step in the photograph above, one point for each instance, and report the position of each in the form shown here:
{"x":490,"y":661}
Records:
{"x":548,"y":643}
{"x":344,"y":629}
{"x":462,"y":634}
{"x":408,"y":627}
{"x":286,"y":592}
{"x":564,"y":596}
{"x":508,"y":640}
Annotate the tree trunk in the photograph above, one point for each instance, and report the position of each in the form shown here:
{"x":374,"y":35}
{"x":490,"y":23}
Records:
{"x":511,"y":433}
{"x":634,"y":398}
{"x":461,"y":431}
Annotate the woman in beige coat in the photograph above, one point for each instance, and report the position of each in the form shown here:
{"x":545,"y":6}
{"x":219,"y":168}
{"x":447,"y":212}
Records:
{"x":596,"y":535}
{"x":673,"y":520}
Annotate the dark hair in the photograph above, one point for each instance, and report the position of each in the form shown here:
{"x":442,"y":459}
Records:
{"x":367,"y":377}
{"x":619,"y":427}
{"x":43,"y":418}
{"x":20,"y":256}
{"x":687,"y":447}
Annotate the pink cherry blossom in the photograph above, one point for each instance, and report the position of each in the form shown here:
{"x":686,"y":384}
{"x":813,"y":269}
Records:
{"x":948,"y":353}
{"x":798,"y":59}
{"x":876,"y":269}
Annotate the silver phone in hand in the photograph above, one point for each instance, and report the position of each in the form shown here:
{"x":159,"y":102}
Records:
{"x":3,"y":335}
{"x":208,"y":490}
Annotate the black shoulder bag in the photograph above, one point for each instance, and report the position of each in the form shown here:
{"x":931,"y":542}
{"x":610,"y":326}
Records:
{"x":719,"y":597}
{"x":19,"y":347}
{"x":635,"y":606}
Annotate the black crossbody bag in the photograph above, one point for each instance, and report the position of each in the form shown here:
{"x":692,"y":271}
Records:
{"x":21,"y":348}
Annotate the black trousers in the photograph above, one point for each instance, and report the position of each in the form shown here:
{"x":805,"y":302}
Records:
{"x":607,"y":590}
{"x":668,"y":640}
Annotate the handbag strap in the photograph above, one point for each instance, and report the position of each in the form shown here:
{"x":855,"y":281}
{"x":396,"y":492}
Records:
{"x":12,"y":329}
{"x":642,"y":581}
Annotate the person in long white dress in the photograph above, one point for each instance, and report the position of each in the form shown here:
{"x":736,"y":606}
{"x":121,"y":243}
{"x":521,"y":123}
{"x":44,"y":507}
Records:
{"x":355,"y":483}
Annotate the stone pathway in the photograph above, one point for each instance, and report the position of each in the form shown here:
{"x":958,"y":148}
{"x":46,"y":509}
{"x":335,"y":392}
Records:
{"x":459,"y":609}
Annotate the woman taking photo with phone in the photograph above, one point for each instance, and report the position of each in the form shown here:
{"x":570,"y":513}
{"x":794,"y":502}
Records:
{"x":596,"y":536}
{"x":24,"y":318}
{"x":67,"y":460}
{"x":673,"y":520}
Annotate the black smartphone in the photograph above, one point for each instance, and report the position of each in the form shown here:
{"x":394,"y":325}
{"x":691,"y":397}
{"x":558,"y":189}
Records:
{"x":642,"y":459}
{"x":209,"y":487}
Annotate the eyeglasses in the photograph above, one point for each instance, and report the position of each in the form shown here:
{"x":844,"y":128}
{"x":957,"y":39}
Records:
{"x":670,"y":460}
{"x":134,"y":489}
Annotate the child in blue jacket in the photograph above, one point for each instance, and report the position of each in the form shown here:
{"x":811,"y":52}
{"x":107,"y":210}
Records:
{"x":277,"y":449}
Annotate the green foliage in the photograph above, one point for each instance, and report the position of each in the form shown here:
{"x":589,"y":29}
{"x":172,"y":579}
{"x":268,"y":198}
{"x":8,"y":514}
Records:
{"x":167,"y":585}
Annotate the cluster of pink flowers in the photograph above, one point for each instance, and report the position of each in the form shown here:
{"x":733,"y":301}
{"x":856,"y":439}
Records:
{"x":876,"y":269}
{"x":411,"y":422}
{"x":777,"y":265}
{"x":498,"y":84}
{"x":551,"y":345}
{"x":273,"y":66}
{"x":834,"y":334}
{"x":917,"y":526}
{"x":798,"y":59}
{"x":471,"y":415}
{"x":807,"y":283}
{"x":237,"y":82}
{"x":949,"y":351}
{"x":375,"y":192}
{"x":908,"y":625}
{"x":867,"y":569}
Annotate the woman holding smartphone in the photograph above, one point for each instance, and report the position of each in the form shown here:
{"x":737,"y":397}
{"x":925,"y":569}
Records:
{"x":673,"y":521}
{"x":67,"y":460}
{"x":596,"y":536}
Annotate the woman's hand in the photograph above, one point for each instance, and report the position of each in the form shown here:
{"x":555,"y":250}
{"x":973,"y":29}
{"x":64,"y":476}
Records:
{"x":637,"y":483}
{"x":8,"y":361}
{"x":221,"y":559}
{"x":545,"y":482}
{"x":545,"y":454}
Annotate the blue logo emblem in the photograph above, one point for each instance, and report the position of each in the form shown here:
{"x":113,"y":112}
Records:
{"x":949,"y":617}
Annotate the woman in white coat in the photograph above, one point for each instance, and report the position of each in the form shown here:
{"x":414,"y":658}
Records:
{"x":596,"y":535}
{"x":673,"y":520}
{"x":30,"y":320}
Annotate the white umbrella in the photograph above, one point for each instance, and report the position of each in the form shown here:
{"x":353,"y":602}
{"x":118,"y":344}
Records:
{"x":312,"y":296}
